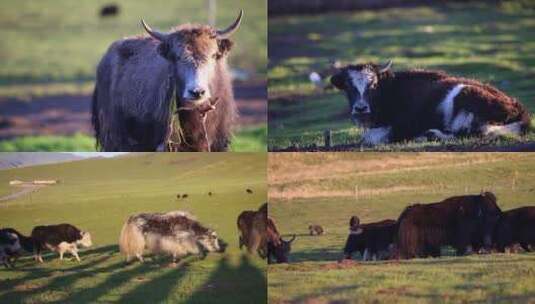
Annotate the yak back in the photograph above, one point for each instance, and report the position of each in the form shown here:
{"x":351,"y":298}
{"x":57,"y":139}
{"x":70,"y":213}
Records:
{"x":55,"y":234}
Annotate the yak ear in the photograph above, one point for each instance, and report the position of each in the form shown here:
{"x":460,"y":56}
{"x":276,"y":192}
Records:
{"x":164,"y":50}
{"x":337,"y":80}
{"x":224,"y":46}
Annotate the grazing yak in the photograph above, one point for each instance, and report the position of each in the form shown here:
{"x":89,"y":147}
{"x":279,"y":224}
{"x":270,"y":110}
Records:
{"x":60,"y":238}
{"x":516,"y":226}
{"x":417,"y":104}
{"x":252,"y":230}
{"x":174,"y":233}
{"x":373,"y":240}
{"x":459,"y":221}
{"x":9,"y":246}
{"x":140,"y":80}
{"x":278,"y":249}
{"x":315,"y":230}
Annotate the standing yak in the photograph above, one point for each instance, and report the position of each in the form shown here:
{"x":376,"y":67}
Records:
{"x":139,"y":78}
{"x":459,"y":221}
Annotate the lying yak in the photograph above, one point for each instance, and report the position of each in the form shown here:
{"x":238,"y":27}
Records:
{"x":458,"y":221}
{"x":140,"y":80}
{"x":373,"y":240}
{"x":416,"y":104}
{"x":252,"y":230}
{"x":60,"y":238}
{"x":516,"y":226}
{"x":174,"y":233}
{"x":9,"y":246}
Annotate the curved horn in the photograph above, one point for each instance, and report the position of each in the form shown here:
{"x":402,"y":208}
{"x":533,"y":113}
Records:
{"x":226,"y":33}
{"x":155,"y":34}
{"x":386,"y":67}
{"x":292,"y":239}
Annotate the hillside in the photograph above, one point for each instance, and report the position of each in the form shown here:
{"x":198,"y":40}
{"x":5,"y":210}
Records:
{"x":98,"y":195}
{"x":25,"y":159}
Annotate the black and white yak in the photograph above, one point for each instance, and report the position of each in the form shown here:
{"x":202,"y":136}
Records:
{"x":60,"y":238}
{"x":141,"y":79}
{"x":9,"y":246}
{"x":417,"y":104}
{"x":174,"y":233}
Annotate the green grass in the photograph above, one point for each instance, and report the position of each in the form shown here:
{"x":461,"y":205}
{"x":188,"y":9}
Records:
{"x":328,"y":188}
{"x":59,"y":43}
{"x":247,"y":139}
{"x":99,"y":194}
{"x":492,"y":43}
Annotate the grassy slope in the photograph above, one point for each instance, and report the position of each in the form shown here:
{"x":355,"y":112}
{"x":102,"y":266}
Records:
{"x":320,"y":188}
{"x":493,"y":44}
{"x":98,"y":195}
{"x":54,"y":47}
{"x":246,"y":139}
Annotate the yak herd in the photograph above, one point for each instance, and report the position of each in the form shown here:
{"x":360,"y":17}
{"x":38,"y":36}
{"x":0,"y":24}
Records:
{"x":467,"y":223}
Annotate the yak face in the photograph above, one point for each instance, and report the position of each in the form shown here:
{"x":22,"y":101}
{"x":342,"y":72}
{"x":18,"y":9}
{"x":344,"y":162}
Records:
{"x":194,"y":52}
{"x":85,"y":241}
{"x":211,"y":243}
{"x":359,"y":82}
{"x":10,"y":242}
{"x":355,"y":242}
{"x":281,"y":252}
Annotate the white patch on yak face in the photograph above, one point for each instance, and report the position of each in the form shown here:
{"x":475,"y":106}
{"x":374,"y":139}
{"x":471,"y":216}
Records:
{"x":85,"y":241}
{"x":361,"y":80}
{"x":194,"y":81}
{"x":210,"y":242}
{"x":447,"y":105}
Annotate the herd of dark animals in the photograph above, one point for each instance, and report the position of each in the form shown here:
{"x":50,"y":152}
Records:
{"x":468,"y":223}
{"x":210,"y":193}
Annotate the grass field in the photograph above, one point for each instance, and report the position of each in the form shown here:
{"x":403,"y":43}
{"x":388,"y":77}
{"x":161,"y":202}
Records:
{"x":328,"y":188}
{"x":99,"y":194}
{"x":55,"y":46}
{"x":489,"y":42}
{"x":249,"y":139}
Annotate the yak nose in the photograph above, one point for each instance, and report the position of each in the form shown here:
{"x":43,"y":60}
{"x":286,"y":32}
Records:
{"x":197,"y":93}
{"x":360,"y":109}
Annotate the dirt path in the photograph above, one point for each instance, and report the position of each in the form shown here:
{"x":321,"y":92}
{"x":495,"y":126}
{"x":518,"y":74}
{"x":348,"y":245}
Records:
{"x":70,"y":114}
{"x":25,"y":189}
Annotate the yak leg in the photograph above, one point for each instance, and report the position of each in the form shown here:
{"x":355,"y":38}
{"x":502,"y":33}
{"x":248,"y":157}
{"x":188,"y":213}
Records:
{"x":139,"y":257}
{"x":525,"y":246}
{"x":365,"y":255}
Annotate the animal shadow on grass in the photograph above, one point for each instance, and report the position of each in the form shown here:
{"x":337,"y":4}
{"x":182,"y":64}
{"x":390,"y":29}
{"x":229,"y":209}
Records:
{"x":242,"y":284}
{"x":60,"y":278}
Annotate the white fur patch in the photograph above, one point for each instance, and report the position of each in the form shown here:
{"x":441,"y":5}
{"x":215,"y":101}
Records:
{"x":495,"y":130}
{"x":446,"y":106}
{"x":463,"y":121}
{"x":439,"y":134}
{"x":361,"y":79}
{"x":374,"y":136}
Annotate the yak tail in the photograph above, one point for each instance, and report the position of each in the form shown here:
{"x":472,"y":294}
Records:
{"x":131,"y":241}
{"x":95,"y":117}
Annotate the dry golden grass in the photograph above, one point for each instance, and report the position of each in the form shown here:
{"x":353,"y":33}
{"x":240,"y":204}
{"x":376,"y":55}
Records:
{"x":290,"y":167}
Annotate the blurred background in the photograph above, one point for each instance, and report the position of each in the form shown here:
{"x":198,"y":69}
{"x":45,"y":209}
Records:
{"x":492,"y":41}
{"x":50,"y":49}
